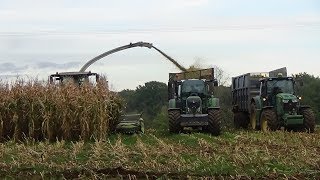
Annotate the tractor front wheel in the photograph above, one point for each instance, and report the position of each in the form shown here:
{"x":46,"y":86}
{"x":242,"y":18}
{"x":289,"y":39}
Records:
{"x":309,"y":121}
{"x":174,"y":126}
{"x":269,"y":121}
{"x":214,"y":126}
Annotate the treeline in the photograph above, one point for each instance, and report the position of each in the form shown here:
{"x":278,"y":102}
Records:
{"x":148,"y":99}
{"x":152,"y":99}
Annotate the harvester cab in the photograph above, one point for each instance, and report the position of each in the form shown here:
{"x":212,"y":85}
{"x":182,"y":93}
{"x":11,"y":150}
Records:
{"x":192,"y":103}
{"x":78,"y":78}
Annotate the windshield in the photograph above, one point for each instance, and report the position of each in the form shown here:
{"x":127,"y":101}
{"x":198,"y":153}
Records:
{"x":193,"y":86}
{"x":276,"y":86}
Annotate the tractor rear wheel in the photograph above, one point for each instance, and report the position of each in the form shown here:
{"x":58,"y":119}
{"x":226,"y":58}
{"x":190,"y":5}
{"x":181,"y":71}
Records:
{"x":309,"y":121}
{"x":269,"y":121}
{"x":174,"y":126}
{"x":214,"y":125}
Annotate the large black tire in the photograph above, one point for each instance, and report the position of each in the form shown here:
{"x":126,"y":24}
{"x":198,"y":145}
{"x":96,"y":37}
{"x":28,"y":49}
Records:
{"x":269,"y":121}
{"x":174,"y":126}
{"x":236,"y":120}
{"x":214,"y":126}
{"x":253,"y":120}
{"x":309,"y":122}
{"x":240,"y":120}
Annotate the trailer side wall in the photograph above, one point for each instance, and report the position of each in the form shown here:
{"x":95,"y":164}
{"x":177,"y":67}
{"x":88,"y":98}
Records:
{"x":244,"y":88}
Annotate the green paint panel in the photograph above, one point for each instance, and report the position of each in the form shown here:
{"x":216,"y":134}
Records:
{"x":293,"y":119}
{"x":172,"y":103}
{"x":213,"y":102}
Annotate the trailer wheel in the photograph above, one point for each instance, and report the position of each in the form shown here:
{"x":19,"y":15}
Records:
{"x":174,"y":126}
{"x":240,"y":120}
{"x":269,"y":121}
{"x":253,"y":119}
{"x":214,"y":126}
{"x":236,"y":120}
{"x":309,"y":121}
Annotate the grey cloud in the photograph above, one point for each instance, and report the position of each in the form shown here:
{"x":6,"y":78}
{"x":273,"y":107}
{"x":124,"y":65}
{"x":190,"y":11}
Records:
{"x":11,"y":68}
{"x":58,"y":66}
{"x":14,"y":68}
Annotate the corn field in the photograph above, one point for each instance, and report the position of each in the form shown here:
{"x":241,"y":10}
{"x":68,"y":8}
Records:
{"x":42,"y":111}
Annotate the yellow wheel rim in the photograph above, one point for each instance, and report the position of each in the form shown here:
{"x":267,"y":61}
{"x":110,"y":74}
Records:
{"x":264,"y":124}
{"x":253,"y":120}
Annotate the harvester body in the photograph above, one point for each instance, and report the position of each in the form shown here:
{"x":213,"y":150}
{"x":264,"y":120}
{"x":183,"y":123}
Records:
{"x":267,"y":101}
{"x":192,"y":102}
{"x":130,"y":124}
{"x":73,"y":77}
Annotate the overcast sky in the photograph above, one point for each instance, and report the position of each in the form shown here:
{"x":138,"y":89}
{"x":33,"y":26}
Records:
{"x":40,"y":37}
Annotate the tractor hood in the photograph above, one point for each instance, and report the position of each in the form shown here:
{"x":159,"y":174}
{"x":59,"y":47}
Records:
{"x":285,"y":97}
{"x":194,"y":104}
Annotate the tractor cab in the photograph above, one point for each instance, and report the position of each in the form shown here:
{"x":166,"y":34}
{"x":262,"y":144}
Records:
{"x":277,"y":86}
{"x":193,"y":93}
{"x":78,"y":78}
{"x":194,"y":87}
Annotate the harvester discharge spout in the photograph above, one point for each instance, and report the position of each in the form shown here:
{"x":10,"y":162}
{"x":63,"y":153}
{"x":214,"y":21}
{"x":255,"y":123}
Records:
{"x":131,"y":45}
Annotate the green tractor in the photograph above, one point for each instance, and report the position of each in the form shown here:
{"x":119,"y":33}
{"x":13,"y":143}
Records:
{"x":192,"y":103}
{"x":268,"y":103}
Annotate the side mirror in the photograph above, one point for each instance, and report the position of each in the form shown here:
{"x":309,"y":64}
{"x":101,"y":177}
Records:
{"x":97,"y":78}
{"x":211,"y":86}
{"x":215,"y":83}
{"x":50,"y":80}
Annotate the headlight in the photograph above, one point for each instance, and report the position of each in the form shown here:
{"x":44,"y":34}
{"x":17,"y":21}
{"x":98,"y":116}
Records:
{"x":299,"y":97}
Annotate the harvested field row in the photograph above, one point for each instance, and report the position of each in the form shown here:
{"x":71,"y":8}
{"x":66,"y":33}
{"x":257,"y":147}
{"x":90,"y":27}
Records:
{"x":238,"y":155}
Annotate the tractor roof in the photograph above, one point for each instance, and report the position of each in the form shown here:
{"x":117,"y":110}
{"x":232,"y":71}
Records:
{"x":73,"y":74}
{"x":276,"y":78}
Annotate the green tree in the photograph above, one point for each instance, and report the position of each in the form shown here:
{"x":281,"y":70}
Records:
{"x":151,"y":97}
{"x":148,"y":98}
{"x":128,"y":96}
{"x":308,"y":87}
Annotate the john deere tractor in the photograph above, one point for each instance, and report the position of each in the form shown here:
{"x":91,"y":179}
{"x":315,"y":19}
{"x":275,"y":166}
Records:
{"x":267,"y":101}
{"x":192,"y":103}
